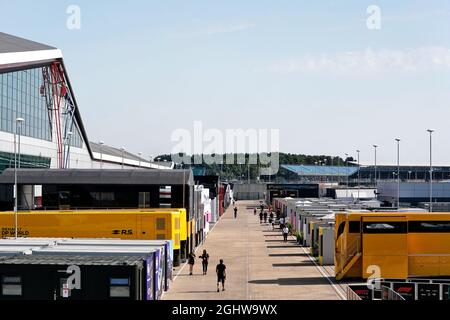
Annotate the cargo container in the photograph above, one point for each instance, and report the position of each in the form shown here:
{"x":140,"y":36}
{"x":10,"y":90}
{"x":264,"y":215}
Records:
{"x":158,"y":250}
{"x":41,"y":277}
{"x":154,"y":224}
{"x":396,"y":245}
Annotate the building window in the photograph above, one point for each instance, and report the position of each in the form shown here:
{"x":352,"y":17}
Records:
{"x":161,"y":236}
{"x":119,"y":287}
{"x":144,"y":200}
{"x":22,"y":95}
{"x":429,"y":226}
{"x":160,"y":224}
{"x":382,"y":227}
{"x":11,"y":285}
{"x":103,"y":196}
{"x":354,"y":227}
{"x":341,"y":229}
{"x":26,"y":161}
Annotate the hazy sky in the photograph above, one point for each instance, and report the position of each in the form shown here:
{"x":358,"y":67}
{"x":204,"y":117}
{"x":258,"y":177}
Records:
{"x":313,"y":69}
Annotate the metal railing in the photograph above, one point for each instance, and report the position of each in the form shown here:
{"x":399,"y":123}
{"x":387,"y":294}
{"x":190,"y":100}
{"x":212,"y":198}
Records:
{"x":351,"y":295}
{"x":389,"y":294}
{"x":351,"y":250}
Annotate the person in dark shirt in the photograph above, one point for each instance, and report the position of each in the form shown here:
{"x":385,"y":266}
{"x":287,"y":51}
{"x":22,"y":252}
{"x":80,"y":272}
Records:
{"x":205,"y":260}
{"x":191,"y":262}
{"x":221,"y":275}
{"x":235,"y":212}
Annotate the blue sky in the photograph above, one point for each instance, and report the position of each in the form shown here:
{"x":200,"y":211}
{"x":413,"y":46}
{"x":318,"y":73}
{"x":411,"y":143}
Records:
{"x":312,"y":69}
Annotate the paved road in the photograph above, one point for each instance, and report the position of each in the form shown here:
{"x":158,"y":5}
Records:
{"x":260,"y":266}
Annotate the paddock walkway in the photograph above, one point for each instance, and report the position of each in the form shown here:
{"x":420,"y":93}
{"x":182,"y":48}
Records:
{"x":260,"y":266}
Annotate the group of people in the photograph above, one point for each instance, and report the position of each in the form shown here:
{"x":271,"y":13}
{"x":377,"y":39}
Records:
{"x":263,"y":217}
{"x":220,"y":268}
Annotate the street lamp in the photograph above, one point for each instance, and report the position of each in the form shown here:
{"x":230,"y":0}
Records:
{"x":398,"y":173}
{"x":19,"y":122}
{"x":315,"y":170}
{"x":375,"y":149}
{"x":347,"y":173}
{"x":139,"y":154}
{"x":430,"y":131}
{"x":123,"y":156}
{"x":359,"y":173}
{"x":101,"y":143}
{"x":69,"y":136}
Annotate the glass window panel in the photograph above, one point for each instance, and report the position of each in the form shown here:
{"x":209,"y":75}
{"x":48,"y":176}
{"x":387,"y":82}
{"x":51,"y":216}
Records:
{"x":119,"y":292}
{"x":12,"y":290}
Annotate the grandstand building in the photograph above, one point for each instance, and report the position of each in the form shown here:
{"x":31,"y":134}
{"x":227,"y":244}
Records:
{"x":39,"y":108}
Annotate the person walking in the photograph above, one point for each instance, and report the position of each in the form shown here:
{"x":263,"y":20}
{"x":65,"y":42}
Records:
{"x":221,"y":274}
{"x":191,"y":262}
{"x":205,"y":261}
{"x":260,"y":217}
{"x":281,"y":223}
{"x":285,"y":233}
{"x":265,"y":216}
{"x":271,"y":220}
{"x":235,"y":212}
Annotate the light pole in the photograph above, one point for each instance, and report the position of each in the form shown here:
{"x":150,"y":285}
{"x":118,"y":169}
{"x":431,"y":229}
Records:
{"x":359,"y":173}
{"x":101,"y":143}
{"x":123,"y":156}
{"x":316,"y":163}
{"x":69,"y":137}
{"x":347,"y":173}
{"x":430,"y":131}
{"x":19,"y":122}
{"x":398,"y":172}
{"x":375,"y":149}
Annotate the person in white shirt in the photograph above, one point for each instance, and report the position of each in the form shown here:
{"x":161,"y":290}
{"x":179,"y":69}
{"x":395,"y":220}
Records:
{"x":285,"y":233}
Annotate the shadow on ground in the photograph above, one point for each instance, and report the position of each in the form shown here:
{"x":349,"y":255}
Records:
{"x":283,"y":247}
{"x":206,"y":291}
{"x":288,"y":255}
{"x":292,"y":281}
{"x":298,"y":264}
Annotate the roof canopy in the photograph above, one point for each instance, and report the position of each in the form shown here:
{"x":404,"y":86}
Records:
{"x":18,"y":52}
{"x":98,"y":177}
{"x":308,"y":170}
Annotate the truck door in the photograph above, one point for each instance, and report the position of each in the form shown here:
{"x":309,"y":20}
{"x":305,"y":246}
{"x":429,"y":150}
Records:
{"x":385,"y":247}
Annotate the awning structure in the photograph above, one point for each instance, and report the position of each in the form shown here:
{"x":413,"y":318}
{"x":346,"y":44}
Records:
{"x":308,"y":170}
{"x":98,"y":177}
